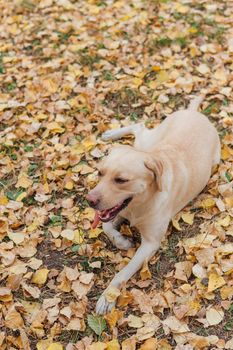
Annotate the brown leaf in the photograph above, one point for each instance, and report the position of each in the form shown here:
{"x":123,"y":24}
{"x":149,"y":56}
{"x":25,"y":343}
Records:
{"x":13,"y":320}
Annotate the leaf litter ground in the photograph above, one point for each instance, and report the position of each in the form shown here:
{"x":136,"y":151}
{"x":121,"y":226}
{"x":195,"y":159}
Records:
{"x":69,"y":70}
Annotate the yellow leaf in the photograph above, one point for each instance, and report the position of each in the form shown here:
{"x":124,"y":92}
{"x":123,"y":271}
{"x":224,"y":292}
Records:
{"x":181,"y":8}
{"x":208,"y":203}
{"x":193,"y":51}
{"x":226,"y":152}
{"x":89,"y":142}
{"x":156,"y":68}
{"x":40,"y":276}
{"x":202,"y":240}
{"x":113,"y":345}
{"x":78,"y":237}
{"x":24,"y":181}
{"x":69,"y":185}
{"x":145,"y":273}
{"x":21,"y":196}
{"x":225,"y":221}
{"x":193,"y":308}
{"x":16,"y":237}
{"x":188,"y":218}
{"x":13,"y":320}
{"x":150,"y":344}
{"x":124,"y":299}
{"x":55,"y":346}
{"x":43,"y":344}
{"x":55,"y":128}
{"x":192,"y":30}
{"x":175,"y":223}
{"x":113,"y":317}
{"x":226,"y":292}
{"x":3,"y":200}
{"x":111,"y":294}
{"x":94,"y":232}
{"x":162,"y":76}
{"x":137,"y":82}
{"x":215,"y":281}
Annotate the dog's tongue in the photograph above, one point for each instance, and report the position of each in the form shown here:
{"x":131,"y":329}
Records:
{"x":96,"y":220}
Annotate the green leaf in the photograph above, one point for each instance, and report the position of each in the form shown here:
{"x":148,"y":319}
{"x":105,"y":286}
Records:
{"x":96,"y":323}
{"x":228,"y":176}
{"x":12,"y":195}
{"x":231,"y":308}
{"x":134,"y":116}
{"x":75,"y":248}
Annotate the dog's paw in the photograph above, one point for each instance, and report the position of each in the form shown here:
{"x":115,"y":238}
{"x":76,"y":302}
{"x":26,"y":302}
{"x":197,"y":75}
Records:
{"x":122,"y":243}
{"x":108,"y":135}
{"x":103,"y":306}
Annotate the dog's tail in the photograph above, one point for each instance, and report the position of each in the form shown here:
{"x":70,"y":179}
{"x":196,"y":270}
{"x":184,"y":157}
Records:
{"x":195,"y":103}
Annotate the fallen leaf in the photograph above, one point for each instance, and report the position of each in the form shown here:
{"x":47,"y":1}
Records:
{"x":113,"y":345}
{"x":96,"y":323}
{"x":188,"y":218}
{"x":16,"y":237}
{"x":183,"y":270}
{"x":5,"y":294}
{"x":55,"y":346}
{"x":145,"y":333}
{"x":129,"y":344}
{"x":214,"y":316}
{"x":113,"y":317}
{"x":149,"y":344}
{"x":229,"y":344}
{"x":13,"y":320}
{"x":24,"y":181}
{"x":215,"y":281}
{"x":40,"y":276}
{"x":145,"y":272}
{"x":134,"y":321}
{"x":111,"y":294}
{"x":174,"y":325}
{"x":97,"y":346}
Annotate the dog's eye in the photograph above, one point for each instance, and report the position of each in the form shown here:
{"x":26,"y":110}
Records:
{"x":100,"y":173}
{"x":120,"y":180}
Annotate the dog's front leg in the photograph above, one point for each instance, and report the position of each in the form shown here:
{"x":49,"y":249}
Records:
{"x":144,"y":252}
{"x":110,"y":229}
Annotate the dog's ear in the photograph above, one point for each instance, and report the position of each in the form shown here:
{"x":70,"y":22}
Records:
{"x":156,"y":166}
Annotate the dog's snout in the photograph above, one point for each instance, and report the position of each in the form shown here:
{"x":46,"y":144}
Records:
{"x":93,"y":200}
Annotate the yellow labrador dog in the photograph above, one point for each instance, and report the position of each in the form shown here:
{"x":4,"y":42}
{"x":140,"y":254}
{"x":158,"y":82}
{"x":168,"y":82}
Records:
{"x":150,"y":182}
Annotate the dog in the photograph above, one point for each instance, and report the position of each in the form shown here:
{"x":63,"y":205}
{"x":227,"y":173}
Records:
{"x":150,"y":182}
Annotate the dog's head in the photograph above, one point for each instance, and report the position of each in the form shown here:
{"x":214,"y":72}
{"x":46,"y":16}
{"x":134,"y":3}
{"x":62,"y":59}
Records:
{"x":124,"y":175}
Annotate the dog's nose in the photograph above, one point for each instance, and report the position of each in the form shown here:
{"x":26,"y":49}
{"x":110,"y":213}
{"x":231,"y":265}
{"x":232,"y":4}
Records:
{"x":92,"y":200}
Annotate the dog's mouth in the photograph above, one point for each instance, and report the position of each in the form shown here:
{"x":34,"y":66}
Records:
{"x":110,"y":214}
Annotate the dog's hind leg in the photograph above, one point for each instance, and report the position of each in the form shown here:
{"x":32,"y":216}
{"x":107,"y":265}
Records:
{"x":116,"y":134}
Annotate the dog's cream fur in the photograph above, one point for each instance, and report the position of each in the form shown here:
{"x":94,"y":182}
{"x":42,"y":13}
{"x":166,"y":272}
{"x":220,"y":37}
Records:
{"x":166,"y":168}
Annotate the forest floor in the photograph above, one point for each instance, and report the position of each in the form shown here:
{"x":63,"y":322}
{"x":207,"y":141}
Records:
{"x":69,"y":70}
